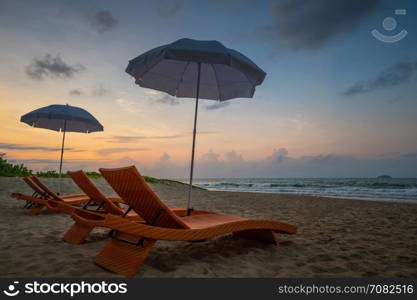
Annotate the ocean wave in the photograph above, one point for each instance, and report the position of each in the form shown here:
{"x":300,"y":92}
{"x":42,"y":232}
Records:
{"x":393,"y":189}
{"x":375,"y":185}
{"x":389,"y":185}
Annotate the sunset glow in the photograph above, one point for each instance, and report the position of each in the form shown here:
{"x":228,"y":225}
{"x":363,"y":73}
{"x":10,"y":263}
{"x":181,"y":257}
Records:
{"x":303,"y":110}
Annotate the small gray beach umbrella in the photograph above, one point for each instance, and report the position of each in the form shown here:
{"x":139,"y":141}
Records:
{"x":63,"y":118}
{"x":196,"y":69}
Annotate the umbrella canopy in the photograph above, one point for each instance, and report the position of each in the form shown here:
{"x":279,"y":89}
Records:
{"x":225,"y":73}
{"x":62,"y":118}
{"x":57,"y":117}
{"x":197,"y":69}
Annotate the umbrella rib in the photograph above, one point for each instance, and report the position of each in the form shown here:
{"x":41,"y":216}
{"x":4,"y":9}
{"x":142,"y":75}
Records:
{"x":247,"y":78}
{"x":244,"y":73}
{"x":162,"y":75}
{"x":182,"y":76}
{"x":150,"y":65}
{"x":217,"y":81}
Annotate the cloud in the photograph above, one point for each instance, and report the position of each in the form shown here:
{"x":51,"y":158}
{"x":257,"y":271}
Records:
{"x":107,"y":151}
{"x":396,"y":99}
{"x":305,"y":24}
{"x":36,"y":148}
{"x":135,"y":138}
{"x":410,"y":155}
{"x":128,"y":106}
{"x":167,"y":99}
{"x":165,"y":158}
{"x":278,"y":156}
{"x":217,"y":105}
{"x":395,"y":74}
{"x":233,"y":156}
{"x":69,"y":164}
{"x":52,"y":161}
{"x":159,"y":97}
{"x":100,"y":91}
{"x":279,"y":164}
{"x":167,"y":8}
{"x":208,"y":132}
{"x":75,"y":92}
{"x":53,"y":67}
{"x":104,"y":21}
{"x":210,"y":156}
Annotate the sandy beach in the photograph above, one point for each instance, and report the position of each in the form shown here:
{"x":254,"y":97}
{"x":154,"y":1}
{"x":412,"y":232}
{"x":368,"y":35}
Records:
{"x":336,"y":238}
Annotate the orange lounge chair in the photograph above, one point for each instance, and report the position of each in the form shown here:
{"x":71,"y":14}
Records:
{"x":130,"y":242}
{"x":78,"y":232}
{"x":42,"y":194}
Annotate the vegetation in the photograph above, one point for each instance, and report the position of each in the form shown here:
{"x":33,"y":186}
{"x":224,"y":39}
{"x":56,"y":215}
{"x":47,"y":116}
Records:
{"x":152,"y":179}
{"x":15,"y":170}
{"x":11,"y":170}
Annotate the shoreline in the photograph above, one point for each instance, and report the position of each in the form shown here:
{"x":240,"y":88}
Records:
{"x":319,"y":196}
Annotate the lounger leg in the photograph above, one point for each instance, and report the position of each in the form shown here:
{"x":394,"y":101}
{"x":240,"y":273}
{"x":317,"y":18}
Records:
{"x":266,"y":236}
{"x":35,"y":210}
{"x":123,"y":258}
{"x":77,"y":233}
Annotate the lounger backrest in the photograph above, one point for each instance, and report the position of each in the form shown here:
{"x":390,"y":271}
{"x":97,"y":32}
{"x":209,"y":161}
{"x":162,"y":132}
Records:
{"x":132,"y":188}
{"x":91,"y":190}
{"x":33,"y":186}
{"x":46,"y":190}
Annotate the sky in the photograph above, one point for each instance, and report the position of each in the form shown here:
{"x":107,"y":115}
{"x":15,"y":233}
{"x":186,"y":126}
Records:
{"x":336,"y":101}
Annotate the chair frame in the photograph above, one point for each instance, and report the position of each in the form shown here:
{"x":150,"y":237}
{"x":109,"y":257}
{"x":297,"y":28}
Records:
{"x":43,"y":197}
{"x":130,"y":242}
{"x":78,"y":231}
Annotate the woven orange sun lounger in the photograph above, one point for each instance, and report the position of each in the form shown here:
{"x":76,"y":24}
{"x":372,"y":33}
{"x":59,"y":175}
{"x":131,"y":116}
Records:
{"x":130,"y":242}
{"x":78,"y":232}
{"x":42,"y":194}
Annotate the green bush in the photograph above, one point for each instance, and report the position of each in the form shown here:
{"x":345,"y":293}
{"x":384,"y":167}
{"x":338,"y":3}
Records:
{"x":150,"y":179}
{"x":50,"y":174}
{"x":12,"y":170}
{"x":93,"y":174}
{"x":15,"y":170}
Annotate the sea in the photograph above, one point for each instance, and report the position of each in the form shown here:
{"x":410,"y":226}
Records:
{"x":378,"y":189}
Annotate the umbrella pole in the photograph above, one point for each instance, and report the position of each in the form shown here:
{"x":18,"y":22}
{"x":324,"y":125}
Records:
{"x":62,"y":156}
{"x":189,"y":208}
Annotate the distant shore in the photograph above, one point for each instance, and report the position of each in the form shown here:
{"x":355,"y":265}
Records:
{"x":336,"y":238}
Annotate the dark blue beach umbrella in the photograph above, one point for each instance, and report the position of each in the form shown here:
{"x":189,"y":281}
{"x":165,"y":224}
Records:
{"x":197,"y":69}
{"x":64,"y":118}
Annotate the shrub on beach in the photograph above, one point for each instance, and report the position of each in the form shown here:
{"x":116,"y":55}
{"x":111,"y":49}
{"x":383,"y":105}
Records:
{"x":151,"y":179}
{"x":19,"y":170}
{"x":50,"y":174}
{"x":12,"y":170}
{"x":93,"y":174}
